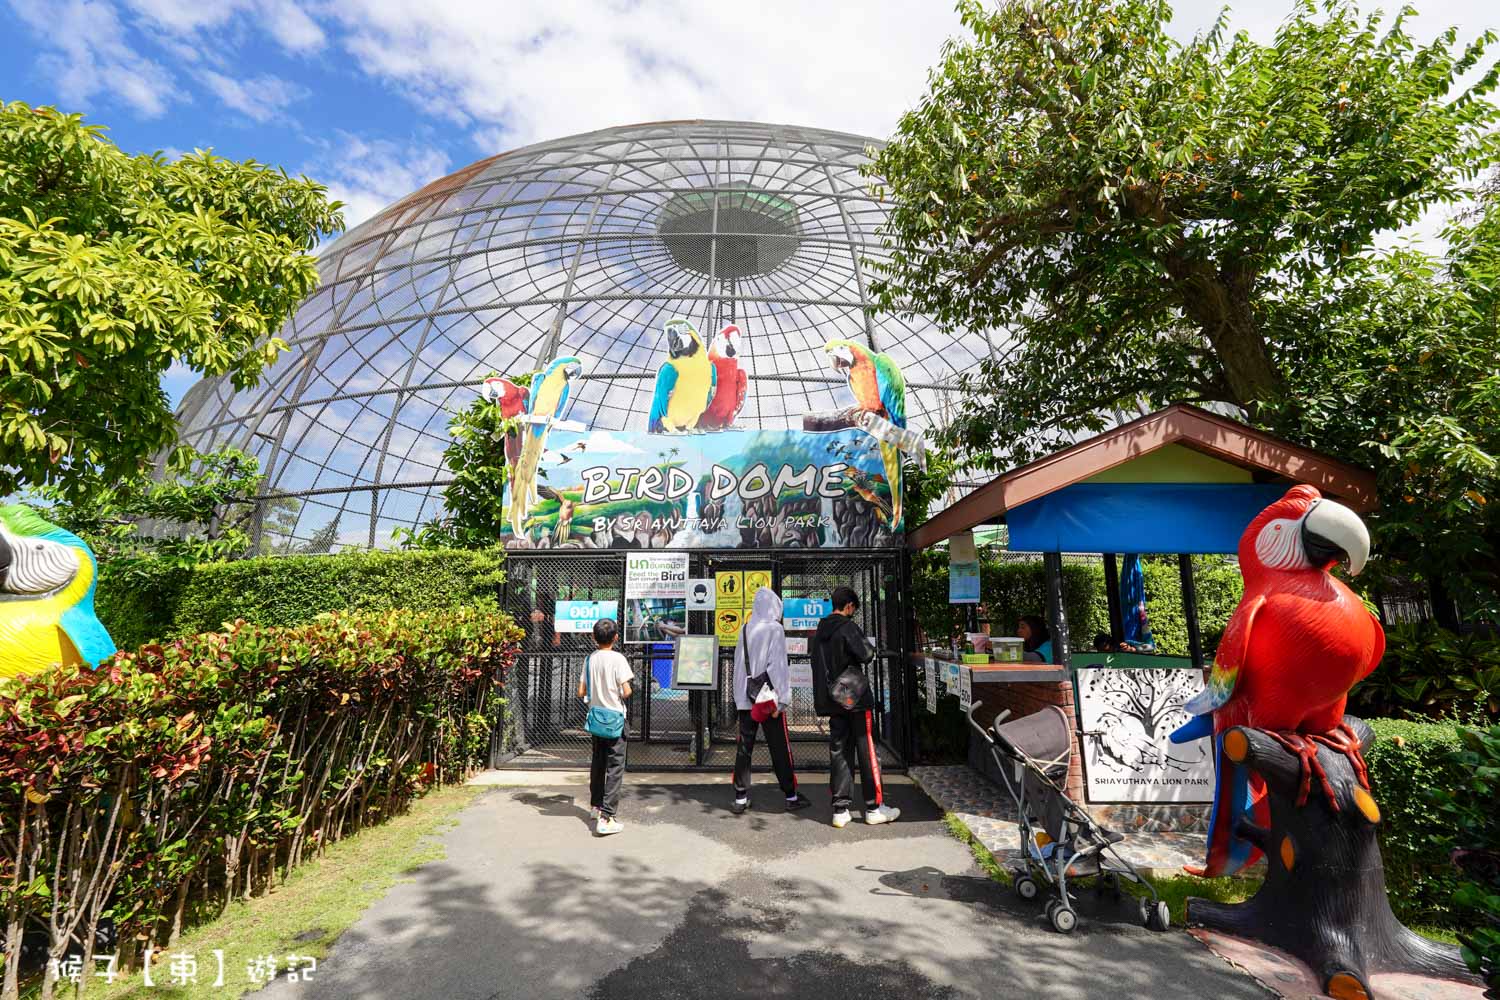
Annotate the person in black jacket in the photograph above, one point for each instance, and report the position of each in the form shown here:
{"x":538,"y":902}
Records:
{"x":841,"y":692}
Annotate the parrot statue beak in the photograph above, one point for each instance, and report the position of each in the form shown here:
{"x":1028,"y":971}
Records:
{"x":573,"y":370}
{"x":1333,"y":533}
{"x":35,"y":566}
{"x":842,"y":357}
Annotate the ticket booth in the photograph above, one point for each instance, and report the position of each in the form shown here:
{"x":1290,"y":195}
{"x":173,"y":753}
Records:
{"x":1178,"y":482}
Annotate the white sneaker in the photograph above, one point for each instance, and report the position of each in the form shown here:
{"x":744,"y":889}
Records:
{"x":882,"y":814}
{"x":608,"y":825}
{"x":841,"y":819}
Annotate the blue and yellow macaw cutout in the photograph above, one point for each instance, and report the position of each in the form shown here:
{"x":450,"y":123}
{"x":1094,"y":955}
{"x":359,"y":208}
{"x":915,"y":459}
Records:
{"x":880,"y":395}
{"x":544,"y":409}
{"x":47,"y":578}
{"x":684,"y":383}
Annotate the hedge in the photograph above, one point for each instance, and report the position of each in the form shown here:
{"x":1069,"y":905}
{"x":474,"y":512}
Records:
{"x":1010,"y":589}
{"x":198,"y":771}
{"x":1406,"y":761}
{"x":141,"y":601}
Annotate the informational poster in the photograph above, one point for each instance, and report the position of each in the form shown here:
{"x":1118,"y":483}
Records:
{"x":727,"y":622}
{"x":754,"y":580}
{"x":656,"y":574}
{"x":802,"y":614}
{"x":796,"y":645}
{"x":700,"y":595}
{"x":932,"y":687}
{"x":695,"y":667}
{"x":963,"y":583}
{"x":965,"y":688}
{"x":580,"y":616}
{"x":800,"y":673}
{"x":950,"y":677}
{"x":1127,"y":716}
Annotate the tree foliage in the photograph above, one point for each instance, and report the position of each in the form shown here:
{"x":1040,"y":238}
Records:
{"x":114,"y":267}
{"x":198,"y":510}
{"x":1161,"y":222}
{"x":474,"y":500}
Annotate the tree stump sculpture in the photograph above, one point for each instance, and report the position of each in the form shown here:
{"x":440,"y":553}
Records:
{"x":1323,"y":899}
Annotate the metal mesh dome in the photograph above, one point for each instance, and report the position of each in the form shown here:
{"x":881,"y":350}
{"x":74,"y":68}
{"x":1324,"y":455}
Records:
{"x":582,"y":246}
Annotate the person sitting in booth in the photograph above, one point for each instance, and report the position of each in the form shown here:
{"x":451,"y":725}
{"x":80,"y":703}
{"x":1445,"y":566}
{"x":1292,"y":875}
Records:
{"x":1036,"y":639}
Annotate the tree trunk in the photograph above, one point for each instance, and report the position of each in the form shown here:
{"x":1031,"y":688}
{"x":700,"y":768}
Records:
{"x":1323,"y":899}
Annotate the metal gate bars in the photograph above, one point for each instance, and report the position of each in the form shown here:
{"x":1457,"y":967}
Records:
{"x":670,"y":729}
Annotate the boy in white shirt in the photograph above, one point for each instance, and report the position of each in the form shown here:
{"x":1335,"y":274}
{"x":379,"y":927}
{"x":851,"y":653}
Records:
{"x":606,"y":686}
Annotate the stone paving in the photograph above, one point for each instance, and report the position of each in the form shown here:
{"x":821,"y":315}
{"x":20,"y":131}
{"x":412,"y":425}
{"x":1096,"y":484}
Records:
{"x":989,"y":813}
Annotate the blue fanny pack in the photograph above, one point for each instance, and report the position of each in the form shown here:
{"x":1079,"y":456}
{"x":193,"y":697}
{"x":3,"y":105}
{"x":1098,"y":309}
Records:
{"x":605,"y":723}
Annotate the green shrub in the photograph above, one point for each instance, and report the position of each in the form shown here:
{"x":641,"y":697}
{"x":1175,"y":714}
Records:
{"x":203,"y":767}
{"x":1407,"y":761}
{"x":147,"y":601}
{"x":1014,"y":588}
{"x":1430,"y":673}
{"x":1469,"y":809}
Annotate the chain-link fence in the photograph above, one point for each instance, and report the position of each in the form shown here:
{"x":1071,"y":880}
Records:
{"x":669,"y":728}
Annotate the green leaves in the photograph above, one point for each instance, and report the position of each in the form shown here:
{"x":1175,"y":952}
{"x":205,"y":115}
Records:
{"x":114,"y":267}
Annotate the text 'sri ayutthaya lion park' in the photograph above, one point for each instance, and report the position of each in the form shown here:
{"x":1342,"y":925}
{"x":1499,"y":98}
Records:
{"x":693,"y":479}
{"x":1291,"y":784}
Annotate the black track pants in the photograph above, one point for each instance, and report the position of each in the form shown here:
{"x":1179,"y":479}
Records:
{"x":778,"y":741}
{"x":851,"y":736}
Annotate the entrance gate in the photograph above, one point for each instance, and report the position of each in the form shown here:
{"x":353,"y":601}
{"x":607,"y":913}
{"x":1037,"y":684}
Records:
{"x":679,"y":729}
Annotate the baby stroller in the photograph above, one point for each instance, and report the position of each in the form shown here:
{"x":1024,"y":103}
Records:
{"x":1061,"y":845}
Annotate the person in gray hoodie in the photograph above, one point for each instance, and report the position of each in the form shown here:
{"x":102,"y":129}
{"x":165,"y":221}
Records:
{"x":762,"y":653}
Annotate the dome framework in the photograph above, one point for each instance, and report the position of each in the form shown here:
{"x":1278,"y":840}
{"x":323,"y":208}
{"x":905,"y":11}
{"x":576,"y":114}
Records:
{"x":582,"y":246}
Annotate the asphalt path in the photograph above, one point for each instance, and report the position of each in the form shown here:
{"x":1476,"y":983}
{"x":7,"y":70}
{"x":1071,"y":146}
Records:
{"x":692,"y":901}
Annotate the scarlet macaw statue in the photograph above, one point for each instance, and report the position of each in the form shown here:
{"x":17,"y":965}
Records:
{"x":1295,"y":645}
{"x":730,"y":381}
{"x":880,"y":390}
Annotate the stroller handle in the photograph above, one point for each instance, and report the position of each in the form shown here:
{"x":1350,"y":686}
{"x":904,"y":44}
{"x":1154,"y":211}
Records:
{"x":1004,"y":714}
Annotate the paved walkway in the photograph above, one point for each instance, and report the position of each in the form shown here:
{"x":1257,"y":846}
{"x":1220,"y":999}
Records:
{"x":988,"y":811}
{"x":691,"y":901}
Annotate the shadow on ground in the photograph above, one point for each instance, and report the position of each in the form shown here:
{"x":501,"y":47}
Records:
{"x":693,"y":902}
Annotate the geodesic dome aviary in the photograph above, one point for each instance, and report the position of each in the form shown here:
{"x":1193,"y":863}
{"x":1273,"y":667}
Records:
{"x":582,"y":246}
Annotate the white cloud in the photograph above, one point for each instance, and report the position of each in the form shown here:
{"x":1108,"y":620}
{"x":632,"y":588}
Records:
{"x":260,"y":98}
{"x":367,"y":175}
{"x":85,"y":53}
{"x":539,"y":71}
{"x":283,"y":20}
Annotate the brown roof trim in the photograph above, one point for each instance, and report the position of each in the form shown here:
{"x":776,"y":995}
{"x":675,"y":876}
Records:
{"x":1209,"y":433}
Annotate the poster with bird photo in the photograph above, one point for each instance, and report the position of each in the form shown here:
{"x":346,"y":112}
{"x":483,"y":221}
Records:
{"x":695,"y":474}
{"x":655,"y":619}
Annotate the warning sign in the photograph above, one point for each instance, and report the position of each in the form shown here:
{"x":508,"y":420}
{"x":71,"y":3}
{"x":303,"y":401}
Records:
{"x":729,"y":589}
{"x":727,"y":622}
{"x":754,"y":580}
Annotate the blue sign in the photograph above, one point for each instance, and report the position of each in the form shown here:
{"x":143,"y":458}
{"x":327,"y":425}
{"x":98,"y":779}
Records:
{"x":802,"y":614}
{"x":579,"y":616}
{"x":963,"y":583}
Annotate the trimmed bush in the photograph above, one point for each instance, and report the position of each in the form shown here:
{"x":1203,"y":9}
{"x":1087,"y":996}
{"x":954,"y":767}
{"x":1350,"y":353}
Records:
{"x":197,"y":771}
{"x":1011,"y":589}
{"x":1430,"y":673}
{"x":145,"y":602}
{"x":1407,"y":761}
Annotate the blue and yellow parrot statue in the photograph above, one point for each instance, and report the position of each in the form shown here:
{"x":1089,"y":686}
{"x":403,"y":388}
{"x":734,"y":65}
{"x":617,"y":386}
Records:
{"x":544,"y":408}
{"x":47,"y":578}
{"x":879,"y":389}
{"x":685,"y":383}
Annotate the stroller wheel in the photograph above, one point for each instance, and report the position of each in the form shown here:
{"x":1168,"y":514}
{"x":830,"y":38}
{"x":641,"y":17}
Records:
{"x":1063,"y":919}
{"x":1158,"y":915}
{"x":1025,"y":887}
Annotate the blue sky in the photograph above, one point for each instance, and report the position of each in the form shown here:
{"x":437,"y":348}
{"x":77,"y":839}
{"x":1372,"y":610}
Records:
{"x":375,"y":98}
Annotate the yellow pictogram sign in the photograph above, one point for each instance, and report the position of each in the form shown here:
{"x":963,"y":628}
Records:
{"x":730,"y":588}
{"x":727,"y":622}
{"x":754,"y":580}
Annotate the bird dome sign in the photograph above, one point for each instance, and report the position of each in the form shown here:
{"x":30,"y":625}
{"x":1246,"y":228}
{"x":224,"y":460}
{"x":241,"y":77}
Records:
{"x":693,"y":478}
